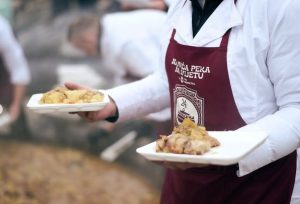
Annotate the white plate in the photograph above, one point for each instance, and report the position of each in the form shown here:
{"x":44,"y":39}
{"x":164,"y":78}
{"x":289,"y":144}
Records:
{"x":234,"y":146}
{"x":33,"y":104}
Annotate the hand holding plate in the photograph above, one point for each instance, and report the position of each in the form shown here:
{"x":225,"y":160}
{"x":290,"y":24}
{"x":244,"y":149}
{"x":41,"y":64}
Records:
{"x":179,"y":165}
{"x":92,"y":116}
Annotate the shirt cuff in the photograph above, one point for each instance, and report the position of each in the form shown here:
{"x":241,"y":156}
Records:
{"x":115,"y":117}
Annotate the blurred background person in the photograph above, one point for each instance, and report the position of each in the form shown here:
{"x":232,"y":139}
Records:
{"x":14,"y":72}
{"x":6,"y":10}
{"x":145,"y":4}
{"x":60,"y":6}
{"x":127,"y":42}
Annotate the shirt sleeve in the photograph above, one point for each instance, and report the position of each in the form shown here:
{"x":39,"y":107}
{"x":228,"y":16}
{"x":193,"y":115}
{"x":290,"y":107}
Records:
{"x":142,"y":97}
{"x":13,"y":56}
{"x":283,"y":63}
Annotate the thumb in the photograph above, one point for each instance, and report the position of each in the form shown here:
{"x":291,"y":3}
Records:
{"x":75,"y":86}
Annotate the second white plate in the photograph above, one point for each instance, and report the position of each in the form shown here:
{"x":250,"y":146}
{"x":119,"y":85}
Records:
{"x":33,"y":104}
{"x":234,"y":146}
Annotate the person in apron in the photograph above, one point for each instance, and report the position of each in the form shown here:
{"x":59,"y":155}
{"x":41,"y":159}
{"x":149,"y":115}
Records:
{"x":217,"y":185}
{"x":206,"y":96}
{"x":213,"y":184}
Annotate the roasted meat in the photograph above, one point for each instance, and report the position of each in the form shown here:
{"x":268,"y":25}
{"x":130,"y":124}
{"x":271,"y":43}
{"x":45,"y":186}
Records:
{"x":187,"y":138}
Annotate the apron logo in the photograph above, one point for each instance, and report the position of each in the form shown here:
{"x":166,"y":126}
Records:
{"x":187,"y":72}
{"x":188,"y":105}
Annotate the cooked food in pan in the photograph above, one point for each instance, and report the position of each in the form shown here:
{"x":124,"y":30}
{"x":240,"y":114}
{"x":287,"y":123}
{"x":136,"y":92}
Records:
{"x":187,"y":138}
{"x":63,"y":95}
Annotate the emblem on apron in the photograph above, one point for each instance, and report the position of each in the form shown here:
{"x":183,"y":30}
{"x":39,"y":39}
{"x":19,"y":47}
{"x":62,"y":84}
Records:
{"x":188,"y":105}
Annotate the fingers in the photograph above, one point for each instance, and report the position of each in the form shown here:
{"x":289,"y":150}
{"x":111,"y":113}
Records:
{"x":90,"y":116}
{"x":93,"y":116}
{"x":179,"y":165}
{"x":71,"y":86}
{"x":72,"y":113}
{"x":86,"y":116}
{"x":74,"y":86}
{"x":169,"y":165}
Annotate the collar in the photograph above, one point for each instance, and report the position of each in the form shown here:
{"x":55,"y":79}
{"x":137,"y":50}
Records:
{"x":226,"y":16}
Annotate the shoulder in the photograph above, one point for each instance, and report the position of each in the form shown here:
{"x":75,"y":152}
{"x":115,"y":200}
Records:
{"x":283,"y":15}
{"x":279,"y":9}
{"x":273,"y":8}
{"x":269,"y":14}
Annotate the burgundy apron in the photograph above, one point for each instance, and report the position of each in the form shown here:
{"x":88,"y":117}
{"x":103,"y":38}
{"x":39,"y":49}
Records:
{"x":200,"y":89}
{"x":5,"y":85}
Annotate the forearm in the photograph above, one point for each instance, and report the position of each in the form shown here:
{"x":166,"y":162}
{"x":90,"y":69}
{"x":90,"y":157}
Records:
{"x":18,"y":94}
{"x":283,"y":138}
{"x":141,"y":98}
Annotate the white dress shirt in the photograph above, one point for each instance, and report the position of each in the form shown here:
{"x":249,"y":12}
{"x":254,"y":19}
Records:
{"x":12,"y":54}
{"x":131,"y":43}
{"x":264,"y":70}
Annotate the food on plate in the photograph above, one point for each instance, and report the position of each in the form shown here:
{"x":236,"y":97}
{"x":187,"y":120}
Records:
{"x":187,"y":138}
{"x":62,"y":95}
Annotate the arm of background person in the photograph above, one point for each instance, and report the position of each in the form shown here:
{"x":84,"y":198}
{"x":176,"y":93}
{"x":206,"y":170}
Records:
{"x":284,"y":71}
{"x":151,"y":4}
{"x":18,"y":95}
{"x":16,"y":64}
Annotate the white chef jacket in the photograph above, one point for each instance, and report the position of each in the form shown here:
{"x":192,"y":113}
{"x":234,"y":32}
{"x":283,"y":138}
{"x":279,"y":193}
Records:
{"x":263,"y":65}
{"x":131,"y":42}
{"x":13,"y":56}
